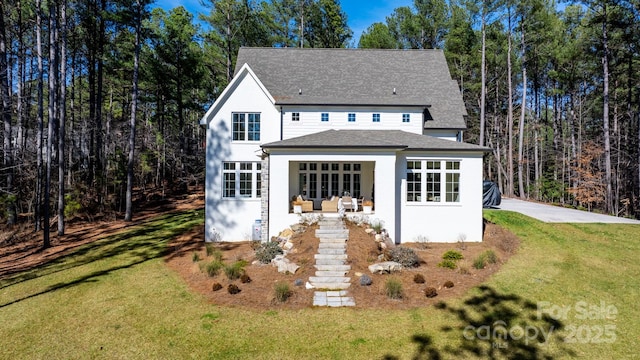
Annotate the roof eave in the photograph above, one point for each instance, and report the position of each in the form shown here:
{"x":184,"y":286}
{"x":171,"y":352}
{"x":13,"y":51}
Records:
{"x":349,"y":104}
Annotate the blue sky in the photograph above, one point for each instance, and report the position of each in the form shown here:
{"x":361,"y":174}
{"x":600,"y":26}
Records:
{"x":360,"y":13}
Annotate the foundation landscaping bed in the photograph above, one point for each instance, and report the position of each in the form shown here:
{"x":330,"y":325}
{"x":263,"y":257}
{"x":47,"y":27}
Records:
{"x":428,"y":267}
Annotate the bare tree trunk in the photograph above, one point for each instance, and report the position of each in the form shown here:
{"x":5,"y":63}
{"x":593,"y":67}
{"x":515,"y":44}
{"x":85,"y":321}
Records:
{"x":40,"y":134}
{"x":605,"y":113}
{"x":134,"y":103}
{"x":510,"y":187}
{"x":62,"y":117}
{"x":52,"y":75}
{"x":483,"y":70}
{"x":522,"y":118}
{"x":5,"y":88}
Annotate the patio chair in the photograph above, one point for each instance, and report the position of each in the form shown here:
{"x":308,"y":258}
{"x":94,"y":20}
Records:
{"x":330,"y":205}
{"x":347,"y":203}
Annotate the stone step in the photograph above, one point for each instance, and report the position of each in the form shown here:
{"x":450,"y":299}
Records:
{"x":331,"y":256}
{"x":329,"y":262}
{"x":330,"y":251}
{"x":333,"y":235}
{"x":332,"y":245}
{"x":330,"y":267}
{"x":329,"y":279}
{"x":331,"y":273}
{"x":328,"y":225}
{"x":332,"y":240}
{"x":332,"y":286}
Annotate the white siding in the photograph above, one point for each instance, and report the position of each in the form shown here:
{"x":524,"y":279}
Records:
{"x":232,"y":218}
{"x":453,"y":135}
{"x":445,"y":222}
{"x":310,"y":120}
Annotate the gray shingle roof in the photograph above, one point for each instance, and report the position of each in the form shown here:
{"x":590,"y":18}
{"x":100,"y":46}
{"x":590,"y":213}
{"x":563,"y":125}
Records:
{"x":373,"y":139}
{"x":364,"y":77}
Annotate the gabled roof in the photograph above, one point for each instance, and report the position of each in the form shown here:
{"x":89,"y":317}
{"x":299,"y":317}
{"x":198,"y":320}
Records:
{"x":373,"y":139}
{"x":242,"y":73}
{"x":360,"y":77}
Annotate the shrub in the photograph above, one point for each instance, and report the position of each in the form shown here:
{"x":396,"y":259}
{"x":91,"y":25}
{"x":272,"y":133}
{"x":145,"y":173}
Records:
{"x":267,"y":251}
{"x":430,"y":292}
{"x":195,"y":257}
{"x":213,"y":251}
{"x":213,"y":268}
{"x":463,"y":268}
{"x":448,"y":284}
{"x":449,"y":264}
{"x":418,"y":279}
{"x":233,"y":289}
{"x":244,"y":278}
{"x":407,"y":257}
{"x":452,"y":255}
{"x":365,"y":280}
{"x":480,"y":261}
{"x":216,"y":287}
{"x":377,"y":226}
{"x":393,"y":288}
{"x":492,"y":258}
{"x":235,"y":270}
{"x":282,"y":291}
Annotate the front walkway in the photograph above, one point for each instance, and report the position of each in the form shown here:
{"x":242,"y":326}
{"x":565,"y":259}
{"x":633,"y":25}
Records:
{"x":331,"y":265}
{"x":558,"y":214}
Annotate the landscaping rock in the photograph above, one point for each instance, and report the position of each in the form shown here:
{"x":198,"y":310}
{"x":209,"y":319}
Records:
{"x":297,"y":228}
{"x":385,"y":267}
{"x":286,"y":233}
{"x":369,"y":230}
{"x":284,"y":265}
{"x":288,"y":245}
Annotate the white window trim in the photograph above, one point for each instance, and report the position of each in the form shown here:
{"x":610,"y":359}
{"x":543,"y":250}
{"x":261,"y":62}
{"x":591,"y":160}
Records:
{"x":246,"y":126}
{"x":443,"y":182}
{"x":237,"y":171}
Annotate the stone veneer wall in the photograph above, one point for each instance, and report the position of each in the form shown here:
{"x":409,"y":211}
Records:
{"x":264,"y":199}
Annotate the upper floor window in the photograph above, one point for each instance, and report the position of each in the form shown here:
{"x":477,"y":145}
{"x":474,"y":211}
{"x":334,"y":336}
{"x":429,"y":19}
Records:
{"x":352,"y":117}
{"x":295,"y":116}
{"x":406,"y":118}
{"x":324,"y":117}
{"x":246,"y":126}
{"x":376,"y":118}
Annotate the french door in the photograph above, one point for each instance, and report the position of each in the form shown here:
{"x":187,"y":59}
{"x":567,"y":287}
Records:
{"x":322,"y":180}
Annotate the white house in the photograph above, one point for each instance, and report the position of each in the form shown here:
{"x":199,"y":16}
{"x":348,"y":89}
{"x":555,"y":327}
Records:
{"x":384,"y":125}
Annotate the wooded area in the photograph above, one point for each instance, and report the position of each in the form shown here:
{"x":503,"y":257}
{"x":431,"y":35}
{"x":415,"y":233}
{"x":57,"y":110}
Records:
{"x":108,"y":93}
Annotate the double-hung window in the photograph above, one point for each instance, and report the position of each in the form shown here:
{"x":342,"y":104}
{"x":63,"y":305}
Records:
{"x":245,"y":126}
{"x":433,"y":181}
{"x":241,"y":179}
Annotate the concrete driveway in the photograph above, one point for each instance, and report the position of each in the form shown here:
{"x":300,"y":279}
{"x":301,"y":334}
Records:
{"x":557,"y":214}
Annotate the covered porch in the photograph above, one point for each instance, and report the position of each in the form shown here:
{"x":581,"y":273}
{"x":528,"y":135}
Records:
{"x":329,"y":186}
{"x":329,"y":180}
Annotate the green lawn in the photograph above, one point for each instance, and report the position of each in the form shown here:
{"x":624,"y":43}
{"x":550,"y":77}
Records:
{"x":115,"y":299}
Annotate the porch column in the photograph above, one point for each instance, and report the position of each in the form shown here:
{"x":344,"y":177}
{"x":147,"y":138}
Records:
{"x":264,"y":200}
{"x":387,"y":195}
